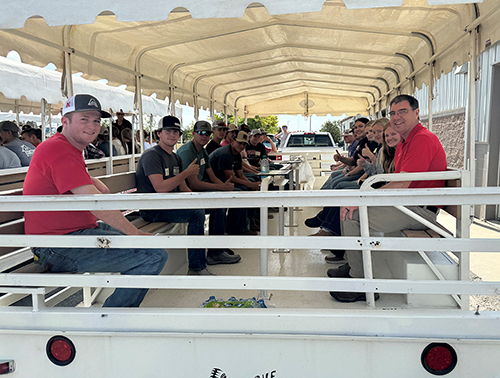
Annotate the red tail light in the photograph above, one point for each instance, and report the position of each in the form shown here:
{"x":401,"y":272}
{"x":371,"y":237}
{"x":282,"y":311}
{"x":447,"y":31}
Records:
{"x":6,"y":367}
{"x":61,"y":350}
{"x":439,"y":358}
{"x":279,"y":157}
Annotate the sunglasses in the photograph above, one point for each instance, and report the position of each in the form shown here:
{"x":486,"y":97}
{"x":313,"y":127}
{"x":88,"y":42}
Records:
{"x":120,"y":114}
{"x":204,"y":132}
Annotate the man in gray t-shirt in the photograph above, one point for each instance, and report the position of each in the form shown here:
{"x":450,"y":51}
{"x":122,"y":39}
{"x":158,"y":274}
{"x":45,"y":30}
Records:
{"x":8,"y":159}
{"x":10,"y":135}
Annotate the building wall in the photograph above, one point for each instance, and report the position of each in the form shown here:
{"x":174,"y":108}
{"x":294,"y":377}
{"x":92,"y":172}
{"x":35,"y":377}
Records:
{"x":449,"y":127}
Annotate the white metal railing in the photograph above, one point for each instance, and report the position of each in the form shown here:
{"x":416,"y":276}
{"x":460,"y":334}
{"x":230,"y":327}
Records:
{"x":442,"y":196}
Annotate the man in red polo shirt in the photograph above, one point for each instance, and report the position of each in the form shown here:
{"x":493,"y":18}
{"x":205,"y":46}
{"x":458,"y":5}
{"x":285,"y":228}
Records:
{"x":420,"y":151}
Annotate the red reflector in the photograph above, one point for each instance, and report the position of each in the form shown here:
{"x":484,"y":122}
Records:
{"x":6,"y":367}
{"x":439,"y":358}
{"x":61,"y":350}
{"x":279,"y":157}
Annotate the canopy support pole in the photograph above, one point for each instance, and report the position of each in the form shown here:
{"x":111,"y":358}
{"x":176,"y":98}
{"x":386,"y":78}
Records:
{"x":43,"y":109}
{"x":431,"y":95}
{"x":471,"y":147}
{"x":138,"y":95}
{"x":16,"y":107}
{"x":68,"y":70}
{"x":245,"y":112}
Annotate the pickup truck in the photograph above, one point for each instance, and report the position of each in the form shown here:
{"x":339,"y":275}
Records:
{"x":317,"y":147}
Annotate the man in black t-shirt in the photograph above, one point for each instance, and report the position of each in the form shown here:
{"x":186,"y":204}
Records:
{"x":159,"y":170}
{"x":219,"y":129}
{"x":226,"y":163}
{"x":255,"y":150}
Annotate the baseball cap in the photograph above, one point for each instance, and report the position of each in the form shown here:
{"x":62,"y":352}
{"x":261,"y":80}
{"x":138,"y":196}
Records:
{"x":232,"y":127}
{"x":244,"y":127}
{"x":202,"y":126}
{"x":255,"y":132}
{"x":169,"y":122}
{"x":9,"y":126}
{"x":219,"y":124}
{"x":82,"y":103}
{"x":242,"y":137}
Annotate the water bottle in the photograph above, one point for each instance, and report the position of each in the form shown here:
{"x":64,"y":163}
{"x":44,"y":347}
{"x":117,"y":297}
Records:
{"x":264,"y":165}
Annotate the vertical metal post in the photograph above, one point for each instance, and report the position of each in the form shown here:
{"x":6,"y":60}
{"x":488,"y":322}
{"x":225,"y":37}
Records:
{"x":264,"y":268}
{"x":463,"y":222}
{"x":367,"y":254}
{"x":471,"y":148}
{"x":43,"y":105}
{"x":67,"y":63}
{"x":138,"y":94}
{"x":430,"y":95}
{"x":16,"y":106}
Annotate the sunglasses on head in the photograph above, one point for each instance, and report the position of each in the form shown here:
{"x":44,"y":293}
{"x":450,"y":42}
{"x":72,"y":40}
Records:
{"x":204,"y":132}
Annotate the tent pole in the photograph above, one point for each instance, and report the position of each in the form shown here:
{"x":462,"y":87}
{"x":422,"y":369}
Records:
{"x":471,"y":148}
{"x":68,"y":76}
{"x":431,"y":95}
{"x":16,"y":106}
{"x":138,"y":95}
{"x":43,"y":109}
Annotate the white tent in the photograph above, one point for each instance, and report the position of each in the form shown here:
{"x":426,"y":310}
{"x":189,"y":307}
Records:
{"x":302,"y":57}
{"x":22,"y":87}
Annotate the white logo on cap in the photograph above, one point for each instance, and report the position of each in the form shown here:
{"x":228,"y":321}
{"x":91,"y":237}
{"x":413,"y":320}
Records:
{"x":92,"y":102}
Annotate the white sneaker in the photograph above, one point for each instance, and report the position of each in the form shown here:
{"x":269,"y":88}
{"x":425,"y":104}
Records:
{"x":203,"y":272}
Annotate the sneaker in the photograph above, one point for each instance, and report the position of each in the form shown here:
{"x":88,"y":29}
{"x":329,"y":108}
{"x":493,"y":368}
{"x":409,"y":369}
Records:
{"x":250,"y":232}
{"x":322,"y":233}
{"x":229,"y":251}
{"x":334,"y":259}
{"x":223,"y":258}
{"x":203,"y":272}
{"x":313,"y":222}
{"x":341,"y":271}
{"x":350,"y":297}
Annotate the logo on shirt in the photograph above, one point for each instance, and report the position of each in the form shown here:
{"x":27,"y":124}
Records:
{"x":202,"y":161}
{"x":176,"y":171}
{"x":27,"y":151}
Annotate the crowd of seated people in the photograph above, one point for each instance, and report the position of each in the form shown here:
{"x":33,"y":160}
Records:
{"x":230,"y":161}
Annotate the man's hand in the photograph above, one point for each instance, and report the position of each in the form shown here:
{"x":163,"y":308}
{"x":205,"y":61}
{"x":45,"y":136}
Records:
{"x":228,"y":186}
{"x":193,"y":169}
{"x":347,"y":210}
{"x":337,"y":156}
{"x":255,"y":185}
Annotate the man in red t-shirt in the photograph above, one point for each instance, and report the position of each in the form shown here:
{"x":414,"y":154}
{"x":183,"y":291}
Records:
{"x":58,"y":168}
{"x":420,"y":151}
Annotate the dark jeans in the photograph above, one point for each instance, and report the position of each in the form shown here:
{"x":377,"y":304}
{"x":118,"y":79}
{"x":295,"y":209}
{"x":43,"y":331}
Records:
{"x":196,"y":221}
{"x":216,"y":226}
{"x":110,"y":260}
{"x":237,"y":218}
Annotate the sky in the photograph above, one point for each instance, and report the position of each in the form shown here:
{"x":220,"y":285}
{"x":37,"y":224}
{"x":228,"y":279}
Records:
{"x":294,"y":123}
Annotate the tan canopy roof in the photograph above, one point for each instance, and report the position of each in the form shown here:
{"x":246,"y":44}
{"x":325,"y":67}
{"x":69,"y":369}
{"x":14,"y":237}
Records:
{"x":285,"y":56}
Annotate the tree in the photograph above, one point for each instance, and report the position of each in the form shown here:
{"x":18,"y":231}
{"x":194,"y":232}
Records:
{"x":269,"y":123}
{"x":332,"y":128}
{"x":187,"y":133}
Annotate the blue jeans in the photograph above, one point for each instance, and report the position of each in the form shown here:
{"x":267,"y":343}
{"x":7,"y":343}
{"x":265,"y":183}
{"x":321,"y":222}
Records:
{"x":237,"y":218}
{"x":333,"y":176}
{"x":196,"y":220}
{"x":216,"y":226}
{"x":111,"y":260}
{"x":340,"y":178}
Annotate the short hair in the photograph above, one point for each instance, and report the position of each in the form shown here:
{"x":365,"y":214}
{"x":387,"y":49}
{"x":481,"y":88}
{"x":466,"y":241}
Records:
{"x":411,"y":100}
{"x":363,"y":119}
{"x":36,"y":132}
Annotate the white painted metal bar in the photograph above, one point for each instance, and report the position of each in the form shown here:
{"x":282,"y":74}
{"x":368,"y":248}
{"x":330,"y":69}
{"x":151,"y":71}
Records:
{"x":264,"y":269}
{"x":393,"y":197}
{"x":424,"y":221}
{"x":253,"y":242}
{"x":367,"y":253}
{"x":253,"y":283}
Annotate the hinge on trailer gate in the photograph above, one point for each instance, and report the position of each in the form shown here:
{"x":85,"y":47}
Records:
{"x":103,"y":243}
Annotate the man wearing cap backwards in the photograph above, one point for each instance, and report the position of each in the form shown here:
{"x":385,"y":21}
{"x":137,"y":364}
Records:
{"x":220,"y":129}
{"x":159,"y":170}
{"x":57,"y":168}
{"x":226,"y":163}
{"x":206,"y":181}
{"x":10,"y":135}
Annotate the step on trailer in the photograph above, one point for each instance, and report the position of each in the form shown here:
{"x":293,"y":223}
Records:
{"x":274,"y":57}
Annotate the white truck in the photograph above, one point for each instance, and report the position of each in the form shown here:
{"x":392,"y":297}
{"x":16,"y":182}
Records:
{"x":317,"y":147}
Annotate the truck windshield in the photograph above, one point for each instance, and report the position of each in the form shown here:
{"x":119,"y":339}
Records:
{"x":310,"y":141}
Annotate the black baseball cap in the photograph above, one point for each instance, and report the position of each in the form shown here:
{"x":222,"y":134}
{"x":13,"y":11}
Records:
{"x":169,"y":122}
{"x":202,"y":126}
{"x":83,"y":103}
